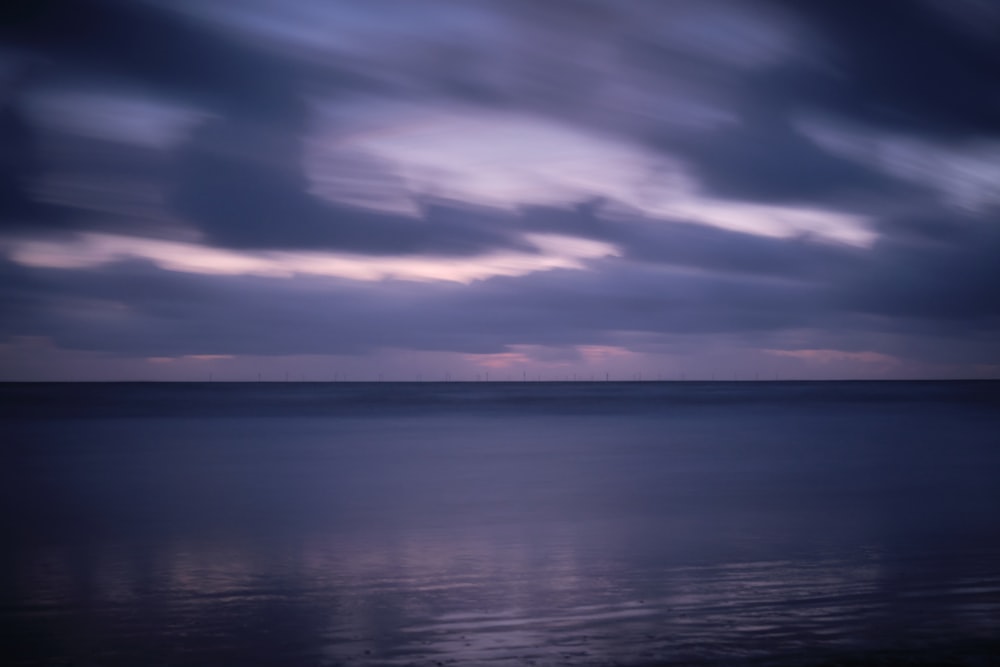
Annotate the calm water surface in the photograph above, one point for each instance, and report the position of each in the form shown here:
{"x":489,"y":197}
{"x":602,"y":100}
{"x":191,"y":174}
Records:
{"x":496,"y":524}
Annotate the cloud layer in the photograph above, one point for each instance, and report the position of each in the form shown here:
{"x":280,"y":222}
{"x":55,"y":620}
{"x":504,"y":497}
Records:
{"x":501,"y":184}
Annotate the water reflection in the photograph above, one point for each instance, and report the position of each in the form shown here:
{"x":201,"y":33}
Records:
{"x":488,"y":540}
{"x":482,"y":598}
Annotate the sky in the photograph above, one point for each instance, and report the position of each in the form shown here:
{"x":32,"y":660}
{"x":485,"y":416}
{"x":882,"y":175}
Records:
{"x":491,"y":190}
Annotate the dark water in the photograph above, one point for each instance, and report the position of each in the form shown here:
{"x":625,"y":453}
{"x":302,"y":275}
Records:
{"x":495,"y":524}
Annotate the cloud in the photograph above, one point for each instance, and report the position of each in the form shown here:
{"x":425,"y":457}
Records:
{"x":136,"y":309}
{"x":903,"y":67}
{"x":938,"y":267}
{"x":246,"y":189}
{"x":765,"y":158}
{"x":88,"y":250}
{"x":19,"y":209}
{"x":163,"y":190}
{"x":828,"y":356}
{"x":138,"y":43}
{"x":106,"y":45}
{"x":741,"y":75}
{"x":134,"y":306}
{"x":683,"y":244}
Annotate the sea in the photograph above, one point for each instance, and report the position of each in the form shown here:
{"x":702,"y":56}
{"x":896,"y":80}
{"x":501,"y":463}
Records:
{"x":500,"y":523}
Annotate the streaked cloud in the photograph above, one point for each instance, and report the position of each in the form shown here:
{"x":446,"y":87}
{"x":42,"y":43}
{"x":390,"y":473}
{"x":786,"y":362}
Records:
{"x":96,"y":250}
{"x":513,"y":185}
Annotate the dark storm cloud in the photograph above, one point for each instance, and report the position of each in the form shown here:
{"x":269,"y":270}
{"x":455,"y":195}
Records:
{"x":913,"y":294}
{"x":139,"y":44}
{"x":583,"y":63}
{"x":106,"y":45}
{"x":681,"y":243}
{"x":760,"y":155}
{"x":19,"y":167}
{"x":135,"y":308}
{"x":109,"y":186}
{"x":898,"y":67}
{"x":240,"y":177}
{"x":941,"y":266}
{"x":765,"y":158}
{"x":249,"y":190}
{"x":893,"y":67}
{"x":719,"y":87}
{"x":904,"y":66}
{"x":118,"y":45}
{"x":619,"y":296}
{"x":57,"y":183}
{"x":24,"y":295}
